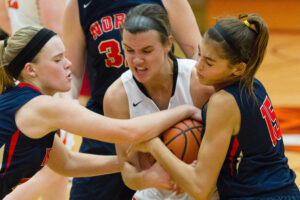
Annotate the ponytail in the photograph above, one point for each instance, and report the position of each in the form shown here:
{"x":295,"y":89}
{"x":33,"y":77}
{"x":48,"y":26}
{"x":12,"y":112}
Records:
{"x":6,"y":81}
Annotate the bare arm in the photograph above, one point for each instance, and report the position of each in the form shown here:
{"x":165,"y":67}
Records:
{"x":74,"y":40}
{"x":51,"y":14}
{"x":4,"y":18}
{"x":76,"y":164}
{"x":44,"y":114}
{"x":115,"y":105}
{"x":180,"y":23}
{"x":222,"y":122}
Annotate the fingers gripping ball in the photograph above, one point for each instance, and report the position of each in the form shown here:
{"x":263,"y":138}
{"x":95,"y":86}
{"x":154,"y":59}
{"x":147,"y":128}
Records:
{"x":184,"y":139}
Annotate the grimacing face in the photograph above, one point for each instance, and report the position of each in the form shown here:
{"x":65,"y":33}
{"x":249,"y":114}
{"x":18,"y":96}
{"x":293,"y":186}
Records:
{"x":145,"y":54}
{"x":212,"y":69}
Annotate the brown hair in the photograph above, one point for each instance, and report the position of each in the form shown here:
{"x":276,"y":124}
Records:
{"x":145,"y":17}
{"x":9,"y":49}
{"x":242,"y":43}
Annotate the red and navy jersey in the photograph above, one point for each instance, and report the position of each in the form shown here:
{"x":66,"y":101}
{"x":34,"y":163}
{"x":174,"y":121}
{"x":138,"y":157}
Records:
{"x":255,"y":164}
{"x":101,"y":22}
{"x":20,"y":156}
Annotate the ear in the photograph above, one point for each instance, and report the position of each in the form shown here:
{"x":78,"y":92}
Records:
{"x":169,"y":43}
{"x":30,"y":69}
{"x":239,"y":69}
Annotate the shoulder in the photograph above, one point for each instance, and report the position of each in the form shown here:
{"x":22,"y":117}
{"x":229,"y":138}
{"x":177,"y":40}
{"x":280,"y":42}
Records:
{"x":115,"y":100}
{"x":223,"y":108}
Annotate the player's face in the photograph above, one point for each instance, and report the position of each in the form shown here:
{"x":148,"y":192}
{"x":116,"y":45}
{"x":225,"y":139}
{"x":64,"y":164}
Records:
{"x":53,"y":68}
{"x":211,"y":68}
{"x":145,"y":54}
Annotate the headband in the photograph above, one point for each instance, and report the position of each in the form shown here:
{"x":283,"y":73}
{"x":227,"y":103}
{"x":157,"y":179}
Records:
{"x":29,"y":52}
{"x":228,"y":40}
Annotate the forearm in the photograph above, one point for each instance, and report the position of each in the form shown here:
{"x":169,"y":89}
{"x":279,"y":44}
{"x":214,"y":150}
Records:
{"x":148,"y":126}
{"x":183,"y":174}
{"x":181,"y":21}
{"x":82,"y":165}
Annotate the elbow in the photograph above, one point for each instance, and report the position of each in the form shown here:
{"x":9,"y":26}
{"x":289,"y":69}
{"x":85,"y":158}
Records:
{"x":199,"y":192}
{"x":199,"y":195}
{"x":136,"y":137}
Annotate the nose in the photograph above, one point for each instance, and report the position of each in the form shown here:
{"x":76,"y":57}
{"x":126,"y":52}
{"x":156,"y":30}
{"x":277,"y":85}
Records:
{"x":137,"y":60}
{"x":199,"y":64}
{"x":68,"y":63}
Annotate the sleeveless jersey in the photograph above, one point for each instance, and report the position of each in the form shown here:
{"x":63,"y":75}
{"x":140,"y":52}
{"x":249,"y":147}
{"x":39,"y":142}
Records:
{"x":255,"y":164}
{"x":101,"y":22}
{"x":20,"y":156}
{"x":139,"y":101}
{"x":23,"y":13}
{"x":141,"y":104}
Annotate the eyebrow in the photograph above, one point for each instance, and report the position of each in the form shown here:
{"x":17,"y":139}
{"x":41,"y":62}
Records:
{"x":210,"y":59}
{"x":142,"y":48}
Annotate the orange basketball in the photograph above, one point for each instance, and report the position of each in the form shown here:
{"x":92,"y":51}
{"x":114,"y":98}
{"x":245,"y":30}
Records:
{"x":184,"y":139}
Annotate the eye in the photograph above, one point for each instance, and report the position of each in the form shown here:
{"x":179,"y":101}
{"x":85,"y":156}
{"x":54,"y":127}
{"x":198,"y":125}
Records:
{"x":129,"y":50}
{"x":58,"y":59}
{"x":208,"y":63}
{"x":147,"y":51}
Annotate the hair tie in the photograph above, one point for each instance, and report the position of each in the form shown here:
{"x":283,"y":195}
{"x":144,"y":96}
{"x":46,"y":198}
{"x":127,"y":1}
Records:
{"x":247,"y":23}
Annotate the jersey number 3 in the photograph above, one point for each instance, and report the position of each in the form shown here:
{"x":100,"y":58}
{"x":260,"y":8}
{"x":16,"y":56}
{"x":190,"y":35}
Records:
{"x":271,"y":121}
{"x":112,"y":50}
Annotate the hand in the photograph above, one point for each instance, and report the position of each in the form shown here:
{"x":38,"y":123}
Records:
{"x":157,"y":177}
{"x":143,"y":146}
{"x":195,"y":113}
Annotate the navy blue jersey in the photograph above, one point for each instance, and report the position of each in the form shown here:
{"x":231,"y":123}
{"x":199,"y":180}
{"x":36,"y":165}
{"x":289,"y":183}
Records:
{"x":20,"y":156}
{"x":255,"y":164}
{"x":101,"y":21}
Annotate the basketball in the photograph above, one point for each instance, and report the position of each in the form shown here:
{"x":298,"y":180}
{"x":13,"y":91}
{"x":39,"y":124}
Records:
{"x":184,"y":139}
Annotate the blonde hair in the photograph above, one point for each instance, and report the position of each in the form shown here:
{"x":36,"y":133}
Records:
{"x":8,"y":52}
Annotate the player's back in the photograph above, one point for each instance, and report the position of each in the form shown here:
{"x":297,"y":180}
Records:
{"x":20,"y":156}
{"x":255,"y":164}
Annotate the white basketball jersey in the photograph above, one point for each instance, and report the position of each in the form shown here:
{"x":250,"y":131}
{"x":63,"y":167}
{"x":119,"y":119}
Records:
{"x":23,"y":13}
{"x":140,"y":104}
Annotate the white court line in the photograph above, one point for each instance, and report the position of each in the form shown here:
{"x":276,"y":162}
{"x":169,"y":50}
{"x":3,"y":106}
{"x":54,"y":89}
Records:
{"x":291,"y":139}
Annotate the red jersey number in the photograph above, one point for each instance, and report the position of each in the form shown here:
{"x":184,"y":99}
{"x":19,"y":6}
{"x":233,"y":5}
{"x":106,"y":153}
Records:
{"x":112,"y":49}
{"x":270,"y":118}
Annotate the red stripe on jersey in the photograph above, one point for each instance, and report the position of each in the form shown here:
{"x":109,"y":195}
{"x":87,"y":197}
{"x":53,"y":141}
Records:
{"x":12,"y":146}
{"x":28,"y":85}
{"x":235,"y":146}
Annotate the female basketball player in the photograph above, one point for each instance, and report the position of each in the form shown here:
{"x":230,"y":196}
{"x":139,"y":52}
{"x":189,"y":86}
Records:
{"x":242,"y":149}
{"x":95,"y":26}
{"x":156,"y":81}
{"x":30,"y":116}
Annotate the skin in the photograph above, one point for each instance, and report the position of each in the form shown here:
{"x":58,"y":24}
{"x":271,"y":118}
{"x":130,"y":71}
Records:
{"x":149,"y":62}
{"x":76,"y":51}
{"x":50,"y":73}
{"x":222,"y":123}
